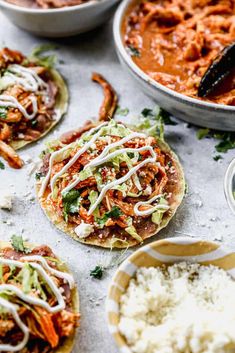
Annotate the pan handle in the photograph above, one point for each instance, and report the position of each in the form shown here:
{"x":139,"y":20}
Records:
{"x":229,"y":185}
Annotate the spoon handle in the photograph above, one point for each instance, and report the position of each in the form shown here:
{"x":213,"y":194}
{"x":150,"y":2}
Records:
{"x":229,"y":185}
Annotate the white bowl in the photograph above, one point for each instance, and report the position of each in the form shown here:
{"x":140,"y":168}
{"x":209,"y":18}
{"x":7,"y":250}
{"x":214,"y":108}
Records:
{"x":229,"y":185}
{"x":167,"y":251}
{"x":62,"y":22}
{"x":211,"y":115}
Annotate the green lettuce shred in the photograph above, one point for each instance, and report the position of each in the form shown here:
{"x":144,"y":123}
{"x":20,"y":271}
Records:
{"x":93,"y":196}
{"x":132,"y":231}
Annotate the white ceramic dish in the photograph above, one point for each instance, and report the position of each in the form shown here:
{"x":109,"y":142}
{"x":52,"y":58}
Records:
{"x":168,"y":251}
{"x":62,"y":22}
{"x":229,"y":185}
{"x":211,"y":115}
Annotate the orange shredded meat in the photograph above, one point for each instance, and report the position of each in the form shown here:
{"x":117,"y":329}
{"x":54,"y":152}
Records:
{"x":175,"y":41}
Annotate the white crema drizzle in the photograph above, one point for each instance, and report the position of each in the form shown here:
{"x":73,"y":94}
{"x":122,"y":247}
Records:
{"x":12,"y":102}
{"x":151,"y":209}
{"x":25,"y":77}
{"x":12,"y":308}
{"x":30,"y":81}
{"x":56,"y":154}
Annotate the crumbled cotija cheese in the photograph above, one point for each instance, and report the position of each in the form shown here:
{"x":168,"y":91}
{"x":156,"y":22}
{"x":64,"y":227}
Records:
{"x":185,"y":308}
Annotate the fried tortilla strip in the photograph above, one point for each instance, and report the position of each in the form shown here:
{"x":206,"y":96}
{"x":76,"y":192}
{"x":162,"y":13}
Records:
{"x":109,"y":104}
{"x":10,"y":156}
{"x":73,"y":135}
{"x":5,"y":131}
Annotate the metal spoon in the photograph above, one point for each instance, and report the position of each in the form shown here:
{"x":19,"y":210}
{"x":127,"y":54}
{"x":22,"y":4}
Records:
{"x":229,"y":185}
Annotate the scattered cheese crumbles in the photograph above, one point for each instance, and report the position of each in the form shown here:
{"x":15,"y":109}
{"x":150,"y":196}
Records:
{"x":83,"y":230}
{"x":5,"y":200}
{"x":185,"y":308}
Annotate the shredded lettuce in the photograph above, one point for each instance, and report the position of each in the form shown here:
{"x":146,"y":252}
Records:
{"x":123,"y":157}
{"x":116,"y":241}
{"x":93,"y":196}
{"x":131,"y":194}
{"x":38,"y":55}
{"x":151,"y":122}
{"x":122,"y":188}
{"x":29,"y":279}
{"x":85,"y":173}
{"x":26,"y":273}
{"x":52,"y":145}
{"x":98,"y":179}
{"x":132,"y":231}
{"x":37,"y":285}
{"x":115,"y":129}
{"x":55,"y":192}
{"x":158,"y":214}
{"x":157,"y":217}
{"x":1,"y":273}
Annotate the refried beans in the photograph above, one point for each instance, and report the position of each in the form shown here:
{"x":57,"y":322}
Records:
{"x":174,"y":42}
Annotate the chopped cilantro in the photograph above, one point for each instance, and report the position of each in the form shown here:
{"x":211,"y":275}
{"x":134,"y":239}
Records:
{"x":2,"y":166}
{"x":217,"y":157}
{"x":122,"y":111}
{"x":3,"y":112}
{"x":147,"y":112}
{"x":71,"y":203}
{"x":39,"y":175}
{"x":227,"y":139}
{"x":18,"y":244}
{"x":114,"y":213}
{"x":225,"y":145}
{"x":97,"y":272}
{"x":161,"y":114}
{"x":133,"y":51}
{"x":166,"y":117}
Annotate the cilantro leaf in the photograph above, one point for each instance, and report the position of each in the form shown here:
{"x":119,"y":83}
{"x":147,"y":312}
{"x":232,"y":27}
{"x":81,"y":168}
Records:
{"x":217,"y":157}
{"x":133,"y":51}
{"x":18,"y":244}
{"x":39,"y":175}
{"x":225,"y":145}
{"x":227,"y":139}
{"x":71,"y":202}
{"x":3,"y":112}
{"x":2,"y":166}
{"x":97,"y":272}
{"x":147,"y":112}
{"x":166,"y":117}
{"x":114,"y":213}
{"x":160,"y":114}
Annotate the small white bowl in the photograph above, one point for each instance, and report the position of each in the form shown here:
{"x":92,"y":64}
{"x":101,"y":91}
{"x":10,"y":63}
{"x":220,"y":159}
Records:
{"x":229,"y":185}
{"x":62,"y":22}
{"x":167,"y":251}
{"x":198,"y":112}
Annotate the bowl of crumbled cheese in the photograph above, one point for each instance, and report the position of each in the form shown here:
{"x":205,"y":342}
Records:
{"x":174,"y":296}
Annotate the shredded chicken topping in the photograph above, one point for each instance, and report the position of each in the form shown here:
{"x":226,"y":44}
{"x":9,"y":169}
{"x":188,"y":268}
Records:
{"x":18,"y":103}
{"x":174,"y":41}
{"x":46,"y":330}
